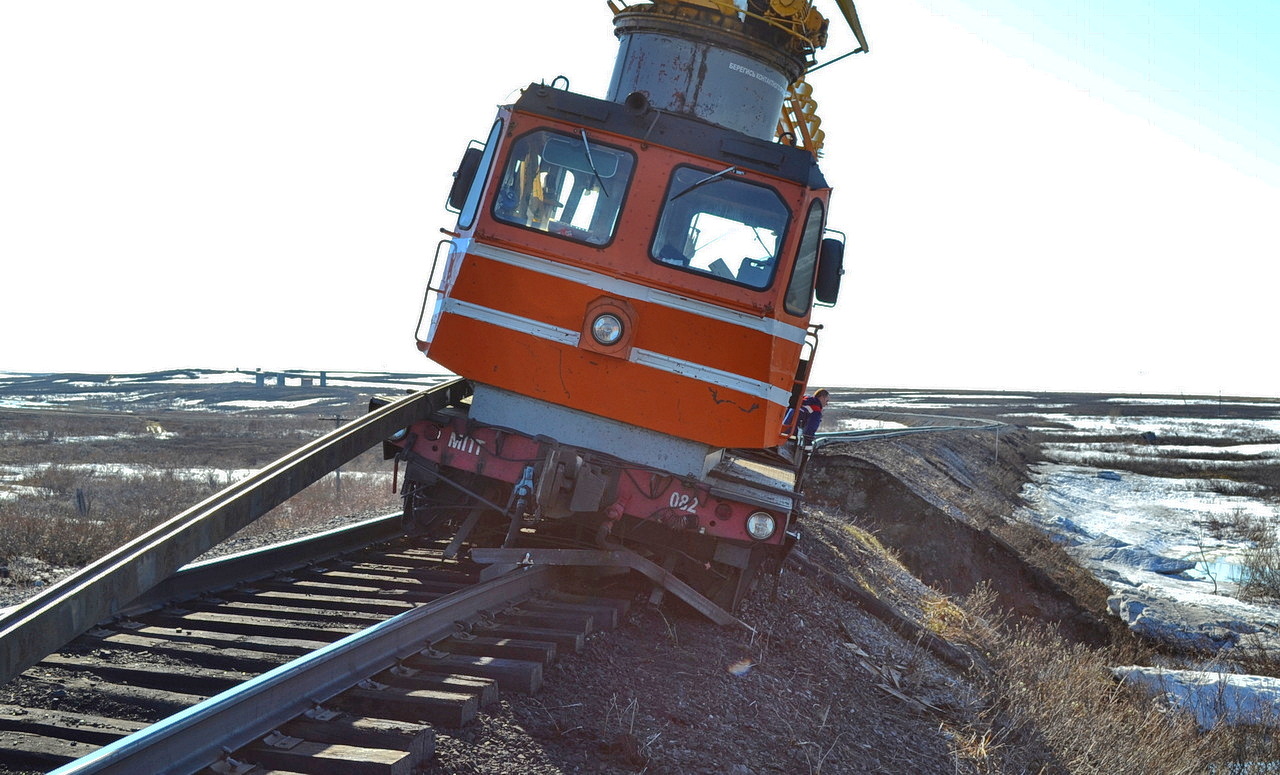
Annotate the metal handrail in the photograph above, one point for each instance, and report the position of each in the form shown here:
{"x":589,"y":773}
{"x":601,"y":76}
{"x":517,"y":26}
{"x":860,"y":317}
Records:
{"x":432,"y":290}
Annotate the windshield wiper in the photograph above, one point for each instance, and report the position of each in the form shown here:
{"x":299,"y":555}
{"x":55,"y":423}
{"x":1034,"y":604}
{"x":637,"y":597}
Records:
{"x":592,"y":162}
{"x":703,"y":182}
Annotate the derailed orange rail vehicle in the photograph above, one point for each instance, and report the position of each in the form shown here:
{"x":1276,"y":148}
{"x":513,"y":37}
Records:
{"x":628,"y":291}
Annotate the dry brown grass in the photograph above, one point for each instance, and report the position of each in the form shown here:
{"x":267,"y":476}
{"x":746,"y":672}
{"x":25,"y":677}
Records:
{"x":89,"y":483}
{"x":327,"y":499}
{"x":1055,"y":707}
{"x":1043,"y":704}
{"x":69,"y":518}
{"x":1223,"y":473}
{"x":48,"y":526}
{"x":1260,"y":563}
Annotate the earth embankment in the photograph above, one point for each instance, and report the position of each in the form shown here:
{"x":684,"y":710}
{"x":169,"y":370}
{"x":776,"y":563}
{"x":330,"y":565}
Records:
{"x":943,"y":503}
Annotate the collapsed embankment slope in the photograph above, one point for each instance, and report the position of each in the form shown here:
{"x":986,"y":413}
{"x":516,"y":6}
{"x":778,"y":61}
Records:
{"x":942,"y":502}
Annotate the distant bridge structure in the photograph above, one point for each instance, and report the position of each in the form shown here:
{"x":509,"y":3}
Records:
{"x":281,"y":378}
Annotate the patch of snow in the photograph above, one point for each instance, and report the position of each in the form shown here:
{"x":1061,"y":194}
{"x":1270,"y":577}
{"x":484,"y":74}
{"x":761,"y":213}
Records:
{"x":955,"y":398}
{"x":860,"y":424}
{"x":62,"y":399}
{"x":365,"y":381}
{"x":253,"y":404}
{"x":1149,"y":451}
{"x":1158,"y":542}
{"x":1212,"y":697}
{"x":1106,"y":549}
{"x":135,"y":397}
{"x":1213,"y":427}
{"x":947,"y":400}
{"x":220,"y":476}
{"x":68,"y":397}
{"x":1139,"y":400}
{"x":1081,"y":455}
{"x":907,"y":402}
{"x":1166,"y":516}
{"x":23,"y":403}
{"x":206,"y":378}
{"x":13,"y":492}
{"x":1188,"y":615}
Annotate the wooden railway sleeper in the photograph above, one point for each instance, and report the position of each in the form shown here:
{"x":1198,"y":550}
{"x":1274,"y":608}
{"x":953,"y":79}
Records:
{"x":452,"y":698}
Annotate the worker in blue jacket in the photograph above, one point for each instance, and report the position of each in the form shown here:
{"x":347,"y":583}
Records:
{"x":811,"y":414}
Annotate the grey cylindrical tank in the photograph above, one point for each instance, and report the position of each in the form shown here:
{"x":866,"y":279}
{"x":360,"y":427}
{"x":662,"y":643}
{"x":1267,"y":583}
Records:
{"x":719,"y":75}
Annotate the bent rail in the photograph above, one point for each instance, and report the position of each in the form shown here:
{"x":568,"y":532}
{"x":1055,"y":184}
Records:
{"x":103,"y":588}
{"x":197,"y":578}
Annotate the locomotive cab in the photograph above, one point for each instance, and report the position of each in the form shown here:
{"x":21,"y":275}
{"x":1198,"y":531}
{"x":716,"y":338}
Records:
{"x":646,"y":267}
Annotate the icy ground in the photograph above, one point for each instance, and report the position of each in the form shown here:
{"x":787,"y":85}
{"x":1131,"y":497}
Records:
{"x":1164,"y":545}
{"x":1151,"y":539}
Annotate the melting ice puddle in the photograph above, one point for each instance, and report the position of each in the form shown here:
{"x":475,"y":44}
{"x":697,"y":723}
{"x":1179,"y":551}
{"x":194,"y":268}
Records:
{"x":1219,"y":570}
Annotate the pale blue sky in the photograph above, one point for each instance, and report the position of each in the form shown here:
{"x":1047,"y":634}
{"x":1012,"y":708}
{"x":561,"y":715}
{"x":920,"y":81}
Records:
{"x":1038,"y":195}
{"x":1212,"y":63}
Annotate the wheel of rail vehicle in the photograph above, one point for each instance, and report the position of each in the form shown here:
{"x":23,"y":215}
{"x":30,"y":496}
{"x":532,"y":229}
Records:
{"x":725,"y":585}
{"x":439,"y":509}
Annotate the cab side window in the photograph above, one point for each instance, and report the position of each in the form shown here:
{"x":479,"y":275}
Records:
{"x":564,"y":185}
{"x":800,"y":287}
{"x":471,"y":204}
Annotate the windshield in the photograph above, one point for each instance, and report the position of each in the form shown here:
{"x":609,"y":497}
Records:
{"x":717,"y":224}
{"x":564,"y":185}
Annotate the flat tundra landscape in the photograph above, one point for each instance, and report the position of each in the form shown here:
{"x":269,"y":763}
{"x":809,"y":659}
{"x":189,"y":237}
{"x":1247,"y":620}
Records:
{"x":987,"y":583}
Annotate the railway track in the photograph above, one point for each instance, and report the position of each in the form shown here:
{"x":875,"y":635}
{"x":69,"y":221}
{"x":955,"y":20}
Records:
{"x":277,"y":660}
{"x":346,"y":665}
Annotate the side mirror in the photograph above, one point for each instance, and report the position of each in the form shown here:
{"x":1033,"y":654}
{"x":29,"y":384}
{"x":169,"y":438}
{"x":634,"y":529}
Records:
{"x":830,"y":268}
{"x":464,"y":177}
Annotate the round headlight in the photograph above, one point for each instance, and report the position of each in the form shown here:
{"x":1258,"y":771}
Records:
{"x":606,"y":329}
{"x":761,"y":525}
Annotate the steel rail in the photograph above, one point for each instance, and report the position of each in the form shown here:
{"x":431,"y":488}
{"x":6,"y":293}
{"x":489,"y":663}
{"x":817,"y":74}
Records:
{"x":102,"y":589}
{"x":220,"y":573}
{"x":201,"y":735}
